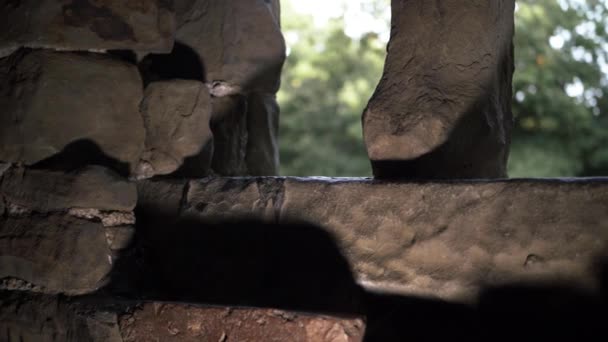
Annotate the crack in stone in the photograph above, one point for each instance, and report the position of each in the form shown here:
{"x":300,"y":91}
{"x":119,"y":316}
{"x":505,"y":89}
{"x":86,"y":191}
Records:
{"x":183,"y":202}
{"x":107,"y":218}
{"x":272,"y":191}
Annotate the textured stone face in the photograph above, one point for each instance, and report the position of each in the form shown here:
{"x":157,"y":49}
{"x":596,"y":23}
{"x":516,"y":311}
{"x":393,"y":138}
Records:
{"x":262,"y":141}
{"x":245,"y":133}
{"x":176,"y":116}
{"x":230,"y":135}
{"x":446,"y":240}
{"x":86,"y":106}
{"x":28,"y":318}
{"x":442,"y":108}
{"x":185,"y":323}
{"x":239,"y":52}
{"x":59,"y":232}
{"x":56,"y":253}
{"x":140,"y":25}
{"x":46,"y":191}
{"x":35,"y":317}
{"x":239,"y":43}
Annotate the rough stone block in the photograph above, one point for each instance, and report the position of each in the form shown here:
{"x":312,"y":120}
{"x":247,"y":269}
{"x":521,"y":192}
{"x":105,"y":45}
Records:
{"x":54,"y":253}
{"x":143,"y":26}
{"x":443,"y":106}
{"x":176,"y":116}
{"x":262,"y":139}
{"x":161,"y":197}
{"x":245,"y":133}
{"x":76,"y":108}
{"x":448,"y":240}
{"x":28,"y":318}
{"x":175,"y":322}
{"x":239,"y":42}
{"x":230,"y":135}
{"x":35,"y":317}
{"x":60,"y":232}
{"x":44,"y":191}
{"x":236,"y":48}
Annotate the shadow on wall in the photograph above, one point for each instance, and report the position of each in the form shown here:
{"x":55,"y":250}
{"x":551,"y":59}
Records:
{"x":81,"y":153}
{"x":182,"y":63}
{"x":299,"y":267}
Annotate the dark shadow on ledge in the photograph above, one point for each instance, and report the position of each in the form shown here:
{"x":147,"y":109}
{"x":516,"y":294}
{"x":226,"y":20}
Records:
{"x":81,"y":153}
{"x":296,"y":267}
{"x":299,"y":267}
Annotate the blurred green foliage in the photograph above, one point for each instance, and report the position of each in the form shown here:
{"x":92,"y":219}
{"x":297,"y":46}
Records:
{"x":561,"y":115}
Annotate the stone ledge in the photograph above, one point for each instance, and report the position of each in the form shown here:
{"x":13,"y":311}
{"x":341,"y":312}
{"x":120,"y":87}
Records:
{"x":27,"y":317}
{"x":438,"y":239}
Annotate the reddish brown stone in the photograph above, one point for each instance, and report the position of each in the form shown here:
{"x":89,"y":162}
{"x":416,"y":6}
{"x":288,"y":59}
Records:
{"x":185,"y":323}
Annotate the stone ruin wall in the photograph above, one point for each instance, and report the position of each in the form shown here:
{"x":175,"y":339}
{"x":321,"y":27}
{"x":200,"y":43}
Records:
{"x":123,"y":121}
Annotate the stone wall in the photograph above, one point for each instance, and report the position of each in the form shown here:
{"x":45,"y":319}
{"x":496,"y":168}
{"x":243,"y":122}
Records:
{"x":122,"y":122}
{"x":146,"y":88}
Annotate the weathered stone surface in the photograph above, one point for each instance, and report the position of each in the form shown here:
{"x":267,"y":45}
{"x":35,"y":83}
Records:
{"x":162,"y":197}
{"x":442,"y":108}
{"x":239,"y":43}
{"x":144,"y":26}
{"x":59,"y":230}
{"x":35,"y":317}
{"x":56,"y":253}
{"x":262,"y":140}
{"x":184,"y":323}
{"x":176,"y":116}
{"x":230,"y":135}
{"x":447,"y":240}
{"x":84,"y":106}
{"x":239,"y":52}
{"x":28,"y":318}
{"x":43,"y":191}
{"x":245,"y":133}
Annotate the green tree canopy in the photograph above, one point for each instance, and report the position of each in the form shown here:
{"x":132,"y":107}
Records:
{"x":560,"y":79}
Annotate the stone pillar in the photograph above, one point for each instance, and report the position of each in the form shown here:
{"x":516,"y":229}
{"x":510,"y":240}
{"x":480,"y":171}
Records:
{"x":443,"y":106}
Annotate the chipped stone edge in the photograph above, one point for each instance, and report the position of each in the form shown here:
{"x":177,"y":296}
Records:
{"x":9,"y":50}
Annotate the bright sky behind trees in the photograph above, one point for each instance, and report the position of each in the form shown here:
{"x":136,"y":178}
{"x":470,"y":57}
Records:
{"x":360,"y":16}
